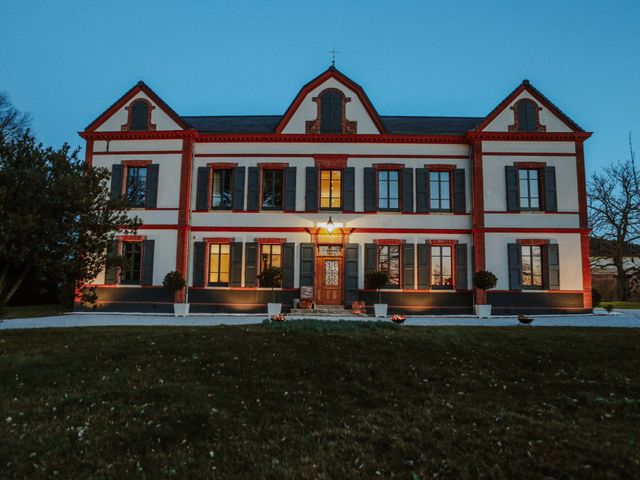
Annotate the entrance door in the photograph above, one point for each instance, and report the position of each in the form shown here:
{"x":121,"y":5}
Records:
{"x":329,"y":277}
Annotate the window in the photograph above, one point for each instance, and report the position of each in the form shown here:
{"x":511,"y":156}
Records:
{"x":270,"y":256}
{"x":441,"y":267}
{"x":139,"y":112}
{"x":272,"y":189}
{"x":529,"y":189}
{"x":331,"y":111}
{"x":330,"y":189}
{"x":388,"y":187}
{"x":531,"y":266}
{"x":136,"y":186}
{"x":440,"y":191}
{"x":219,"y":255}
{"x":527,"y":112}
{"x":132,"y":263}
{"x":221,"y":189}
{"x":389,"y":261}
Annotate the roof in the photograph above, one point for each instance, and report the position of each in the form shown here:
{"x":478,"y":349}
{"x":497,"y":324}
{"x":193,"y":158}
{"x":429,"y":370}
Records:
{"x":392,"y":124}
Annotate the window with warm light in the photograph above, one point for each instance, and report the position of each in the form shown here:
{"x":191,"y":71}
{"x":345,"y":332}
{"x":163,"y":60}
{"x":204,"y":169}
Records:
{"x":219,"y":260}
{"x":441,"y":267}
{"x":330,"y":189}
{"x":270,"y":256}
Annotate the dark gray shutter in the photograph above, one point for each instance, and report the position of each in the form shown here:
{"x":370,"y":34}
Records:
{"x":515,"y":282}
{"x":408,"y":266}
{"x":553,"y":266}
{"x":550,"y":196}
{"x":513,"y":202}
{"x":422,"y":190}
{"x":461,"y":267}
{"x":148,"y":246}
{"x":202,"y":188}
{"x":111,"y":271}
{"x":250,"y":265}
{"x":151,"y":195}
{"x":198,"y":263}
{"x":290,"y":189}
{"x":407,"y":189}
{"x":253,"y":189}
{"x":459,"y":192}
{"x":236,"y":265}
{"x":238,"y":188}
{"x":370,"y":201}
{"x":117,"y":171}
{"x":424,"y":270}
{"x":349,"y":186}
{"x":370,"y":257}
{"x":307,"y":266}
{"x":350,"y":273}
{"x":311,"y":192}
{"x":288,"y":261}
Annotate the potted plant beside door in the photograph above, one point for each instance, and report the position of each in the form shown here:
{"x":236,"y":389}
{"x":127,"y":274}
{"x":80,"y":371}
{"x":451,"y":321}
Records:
{"x":484,"y":280}
{"x":376,"y":280}
{"x":272,"y":278}
{"x":174,"y":282}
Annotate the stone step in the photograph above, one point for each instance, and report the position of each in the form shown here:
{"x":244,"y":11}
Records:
{"x":320,"y":311}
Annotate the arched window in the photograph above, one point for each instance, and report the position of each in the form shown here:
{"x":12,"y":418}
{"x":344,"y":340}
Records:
{"x":331,"y":112}
{"x":139,"y":115}
{"x":527,"y":116}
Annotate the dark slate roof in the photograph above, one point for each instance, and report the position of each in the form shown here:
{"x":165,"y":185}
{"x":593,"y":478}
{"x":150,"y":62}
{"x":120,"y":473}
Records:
{"x":393,"y":124}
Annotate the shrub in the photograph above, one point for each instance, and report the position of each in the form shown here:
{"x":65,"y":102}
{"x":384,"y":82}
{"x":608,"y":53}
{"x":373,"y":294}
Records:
{"x":174,"y":282}
{"x":484,"y":280}
{"x":375,"y":280}
{"x":608,"y":307}
{"x":271,"y":278}
{"x":596,"y":298}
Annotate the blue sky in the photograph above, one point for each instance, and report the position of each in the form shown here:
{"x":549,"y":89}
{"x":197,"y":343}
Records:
{"x":65,"y":62}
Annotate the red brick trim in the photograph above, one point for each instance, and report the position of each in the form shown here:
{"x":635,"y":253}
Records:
{"x":515,"y":127}
{"x":330,"y":162}
{"x":388,"y":166}
{"x":586,"y":271}
{"x":140,"y":152}
{"x":439,"y":167}
{"x":529,"y":165}
{"x":131,"y":238}
{"x":477,"y":190}
{"x":273,"y":165}
{"x":88,"y":154}
{"x":136,"y":163}
{"x":348,"y":126}
{"x":218,"y":240}
{"x":383,"y":241}
{"x":441,"y":242}
{"x":582,"y":185}
{"x":270,"y":241}
{"x":184,"y":206}
{"x":129,"y":108}
{"x":222,"y":165}
{"x":532,"y":241}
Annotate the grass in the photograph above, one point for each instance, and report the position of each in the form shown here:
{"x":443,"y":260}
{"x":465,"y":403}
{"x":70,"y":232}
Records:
{"x":288,"y":401}
{"x":621,"y":305}
{"x":32,"y":311}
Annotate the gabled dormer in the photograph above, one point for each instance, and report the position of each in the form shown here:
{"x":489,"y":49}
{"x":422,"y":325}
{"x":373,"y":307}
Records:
{"x":138,"y":110}
{"x":526,"y":110}
{"x":332,"y":104}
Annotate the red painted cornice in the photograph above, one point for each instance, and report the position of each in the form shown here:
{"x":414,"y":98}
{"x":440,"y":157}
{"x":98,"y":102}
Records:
{"x":530,"y":136}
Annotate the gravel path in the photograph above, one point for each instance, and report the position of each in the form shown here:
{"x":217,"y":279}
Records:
{"x":625,"y":318}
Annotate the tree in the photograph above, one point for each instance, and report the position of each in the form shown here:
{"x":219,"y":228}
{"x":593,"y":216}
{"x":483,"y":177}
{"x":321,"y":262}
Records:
{"x":614,"y":217}
{"x":13,"y":123}
{"x":57,"y":217}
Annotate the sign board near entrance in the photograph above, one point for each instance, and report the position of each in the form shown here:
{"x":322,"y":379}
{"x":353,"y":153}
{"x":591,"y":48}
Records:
{"x":306,"y":293}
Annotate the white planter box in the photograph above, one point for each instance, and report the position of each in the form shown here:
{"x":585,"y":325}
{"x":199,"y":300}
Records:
{"x":483,"y":311}
{"x":181,"y":309}
{"x":380,"y":309}
{"x":274,"y":309}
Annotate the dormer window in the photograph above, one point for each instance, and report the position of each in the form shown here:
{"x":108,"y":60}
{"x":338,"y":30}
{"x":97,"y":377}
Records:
{"x":331,"y":117}
{"x":139,"y":116}
{"x":526,"y":117}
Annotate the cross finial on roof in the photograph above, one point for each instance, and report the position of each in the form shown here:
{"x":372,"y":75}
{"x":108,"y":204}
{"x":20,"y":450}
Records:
{"x":333,"y":53}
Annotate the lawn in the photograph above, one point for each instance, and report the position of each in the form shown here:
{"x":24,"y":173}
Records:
{"x":309,"y":401}
{"x":621,"y":305}
{"x":32,"y":311}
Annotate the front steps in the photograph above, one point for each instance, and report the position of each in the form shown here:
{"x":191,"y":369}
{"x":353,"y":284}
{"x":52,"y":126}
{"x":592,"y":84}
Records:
{"x":322,"y":310}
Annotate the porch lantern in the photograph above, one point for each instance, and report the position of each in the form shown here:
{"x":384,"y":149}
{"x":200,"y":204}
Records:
{"x":330,"y":226}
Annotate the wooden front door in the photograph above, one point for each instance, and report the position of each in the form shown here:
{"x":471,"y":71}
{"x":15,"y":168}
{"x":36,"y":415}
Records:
{"x":329,"y":276}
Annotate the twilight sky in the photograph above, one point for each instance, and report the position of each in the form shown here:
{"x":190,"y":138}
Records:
{"x":65,"y":62}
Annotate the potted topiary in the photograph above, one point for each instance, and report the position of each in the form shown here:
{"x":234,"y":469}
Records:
{"x":376,"y":280}
{"x":174,"y":282}
{"x":272,"y":278}
{"x":484,"y":280}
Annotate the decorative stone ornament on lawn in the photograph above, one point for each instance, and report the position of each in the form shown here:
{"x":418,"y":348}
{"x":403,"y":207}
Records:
{"x":376,"y":280}
{"x":272,"y":278}
{"x":484,"y":280}
{"x":277,"y":318}
{"x":174,"y":282}
{"x":398,"y":318}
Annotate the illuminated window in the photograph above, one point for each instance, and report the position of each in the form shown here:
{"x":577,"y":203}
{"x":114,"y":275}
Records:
{"x":531,"y":266}
{"x":529,"y":189}
{"x":441,"y":267}
{"x":388,"y":188}
{"x":219,"y":264}
{"x":389,"y":261}
{"x":330,"y":189}
{"x":440,"y":191}
{"x":136,"y":186}
{"x":221,"y":189}
{"x":270,"y":256}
